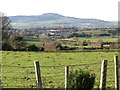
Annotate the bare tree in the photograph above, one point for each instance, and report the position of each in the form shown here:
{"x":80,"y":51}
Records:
{"x":5,"y":34}
{"x":5,"y":26}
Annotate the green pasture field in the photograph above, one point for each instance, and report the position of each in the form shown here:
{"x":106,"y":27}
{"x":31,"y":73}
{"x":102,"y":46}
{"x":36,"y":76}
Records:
{"x":99,"y":31}
{"x":18,"y":67}
{"x":33,"y":41}
{"x":105,"y":39}
{"x":77,"y":46}
{"x":37,"y":43}
{"x":93,"y":31}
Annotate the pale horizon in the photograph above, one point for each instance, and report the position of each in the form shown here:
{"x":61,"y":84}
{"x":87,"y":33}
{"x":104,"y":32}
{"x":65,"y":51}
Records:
{"x":106,"y":10}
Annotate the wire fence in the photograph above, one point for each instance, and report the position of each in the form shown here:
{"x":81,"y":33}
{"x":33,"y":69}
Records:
{"x":52,"y":76}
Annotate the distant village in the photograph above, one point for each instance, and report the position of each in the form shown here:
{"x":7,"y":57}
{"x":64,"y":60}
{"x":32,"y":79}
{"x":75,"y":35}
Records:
{"x":58,"y":32}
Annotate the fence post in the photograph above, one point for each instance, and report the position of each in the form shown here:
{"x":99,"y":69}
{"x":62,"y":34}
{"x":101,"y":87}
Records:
{"x":116,"y":65}
{"x":103,"y":75}
{"x":66,"y":76}
{"x":38,"y":75}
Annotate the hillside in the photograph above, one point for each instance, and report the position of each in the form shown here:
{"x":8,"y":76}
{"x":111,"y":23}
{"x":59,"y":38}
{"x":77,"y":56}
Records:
{"x":50,"y":19}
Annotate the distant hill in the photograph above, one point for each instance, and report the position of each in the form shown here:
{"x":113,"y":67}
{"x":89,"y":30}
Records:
{"x":49,"y":19}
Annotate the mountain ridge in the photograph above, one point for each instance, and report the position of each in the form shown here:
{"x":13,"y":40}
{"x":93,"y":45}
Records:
{"x":50,"y":19}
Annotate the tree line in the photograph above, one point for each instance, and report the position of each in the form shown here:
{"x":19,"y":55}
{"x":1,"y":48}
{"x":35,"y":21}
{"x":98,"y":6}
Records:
{"x":9,"y":40}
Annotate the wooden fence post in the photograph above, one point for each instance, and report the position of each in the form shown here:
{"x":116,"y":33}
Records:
{"x":38,"y":75}
{"x":103,"y":75}
{"x":66,"y":76}
{"x":116,"y":65}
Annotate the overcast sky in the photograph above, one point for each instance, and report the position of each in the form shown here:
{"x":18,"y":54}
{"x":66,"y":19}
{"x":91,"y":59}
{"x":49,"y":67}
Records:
{"x":99,"y":9}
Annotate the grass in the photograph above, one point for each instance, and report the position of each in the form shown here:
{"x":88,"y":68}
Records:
{"x":77,"y":46}
{"x":93,"y":31}
{"x":33,"y":41}
{"x":18,"y":67}
{"x":39,"y":44}
{"x":105,"y":39}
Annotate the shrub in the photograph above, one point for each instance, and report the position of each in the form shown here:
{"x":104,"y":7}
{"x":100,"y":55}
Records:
{"x":6,"y":47}
{"x":53,"y":46}
{"x":17,"y":42}
{"x":32,"y":48}
{"x":41,"y":49}
{"x":84,"y":43}
{"x":79,"y":35}
{"x":81,"y":80}
{"x":114,"y":45}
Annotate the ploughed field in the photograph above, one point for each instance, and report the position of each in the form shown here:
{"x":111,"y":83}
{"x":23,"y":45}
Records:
{"x":18,"y":67}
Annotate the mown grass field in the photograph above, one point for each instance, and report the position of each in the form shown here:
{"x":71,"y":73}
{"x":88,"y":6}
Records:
{"x":105,"y":39}
{"x":93,"y":31}
{"x":33,"y":41}
{"x":37,"y":43}
{"x":18,"y":67}
{"x":112,"y":31}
